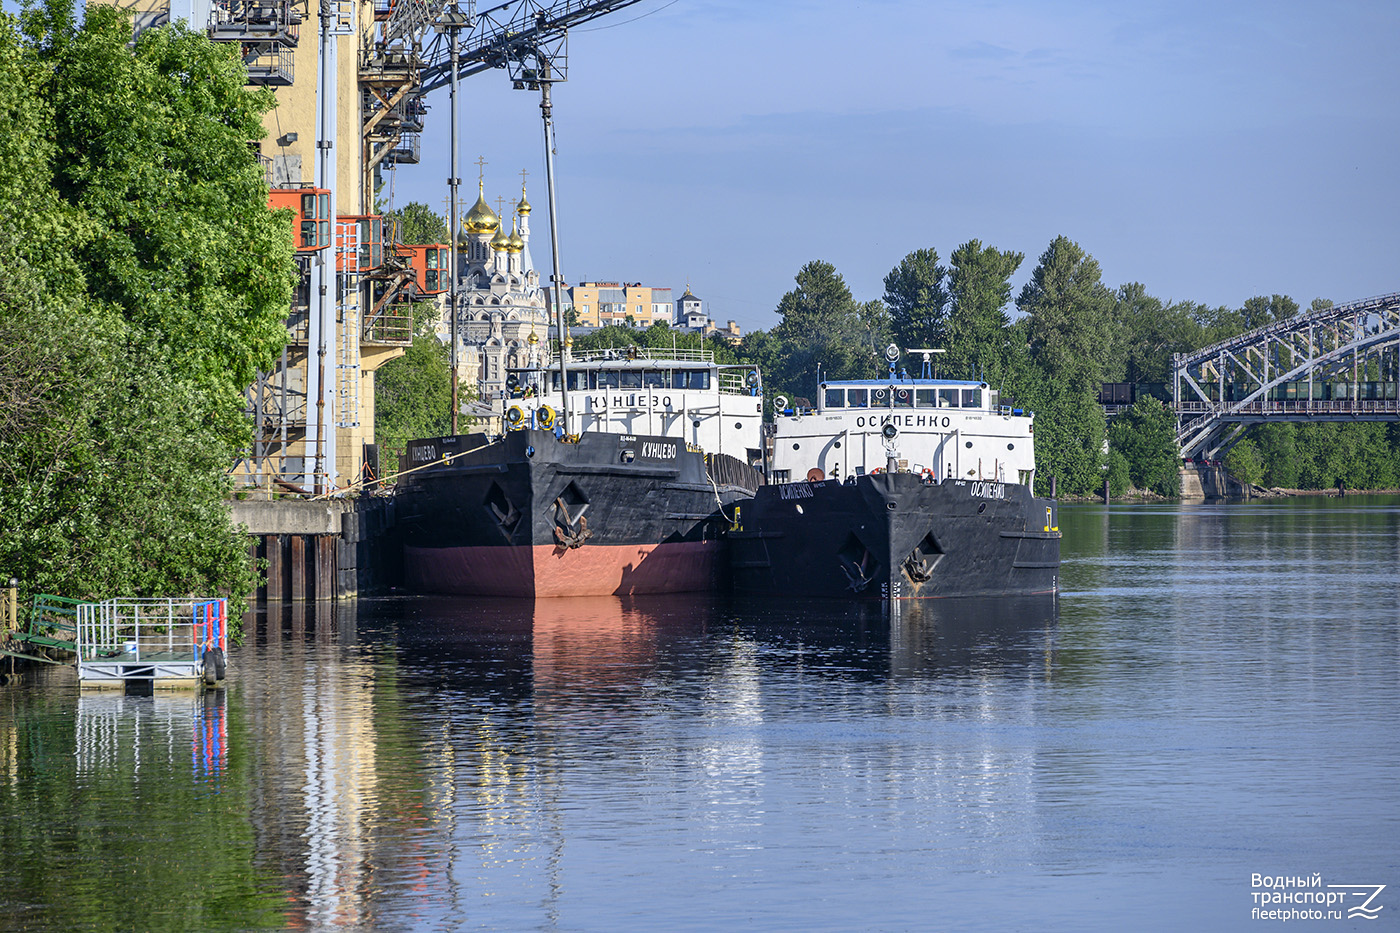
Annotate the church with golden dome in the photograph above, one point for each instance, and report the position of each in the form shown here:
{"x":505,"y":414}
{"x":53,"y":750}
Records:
{"x":503,"y":319}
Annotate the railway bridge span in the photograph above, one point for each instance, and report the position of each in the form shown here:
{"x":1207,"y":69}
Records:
{"x":1334,"y":364}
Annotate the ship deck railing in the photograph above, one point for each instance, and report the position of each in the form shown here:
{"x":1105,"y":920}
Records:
{"x":160,"y":639}
{"x":654,"y":354}
{"x":1007,"y":410}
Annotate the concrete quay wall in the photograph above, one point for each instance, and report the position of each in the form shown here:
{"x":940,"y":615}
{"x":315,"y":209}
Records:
{"x":319,"y":549}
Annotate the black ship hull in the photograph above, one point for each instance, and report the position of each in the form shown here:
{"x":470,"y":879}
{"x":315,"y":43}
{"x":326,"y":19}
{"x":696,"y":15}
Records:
{"x":895,"y":536}
{"x":531,"y":515}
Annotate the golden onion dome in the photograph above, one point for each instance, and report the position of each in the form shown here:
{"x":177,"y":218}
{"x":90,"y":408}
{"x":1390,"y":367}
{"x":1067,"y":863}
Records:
{"x":501,"y":240}
{"x":514,"y":242}
{"x":524,"y":206}
{"x":482,"y":219}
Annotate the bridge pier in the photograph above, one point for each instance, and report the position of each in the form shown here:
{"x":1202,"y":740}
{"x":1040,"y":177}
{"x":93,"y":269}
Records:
{"x":1200,"y":481}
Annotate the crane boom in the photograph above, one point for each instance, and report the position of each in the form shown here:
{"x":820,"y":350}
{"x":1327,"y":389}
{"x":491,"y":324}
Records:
{"x":507,"y":35}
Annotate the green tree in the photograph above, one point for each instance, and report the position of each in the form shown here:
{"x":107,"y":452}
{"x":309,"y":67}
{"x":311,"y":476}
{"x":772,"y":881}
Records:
{"x":916,"y":295}
{"x":1278,"y":452}
{"x":1070,"y":311}
{"x":1118,"y":474}
{"x":1068,"y":438}
{"x":143,"y":281}
{"x":1069,"y":352}
{"x":1150,"y":333}
{"x":1260,"y":310}
{"x":1245,"y":464}
{"x":151,"y":144}
{"x":980,"y":290}
{"x":418,"y":224}
{"x":412,"y":398}
{"x":822,"y":331}
{"x":1146,"y":436}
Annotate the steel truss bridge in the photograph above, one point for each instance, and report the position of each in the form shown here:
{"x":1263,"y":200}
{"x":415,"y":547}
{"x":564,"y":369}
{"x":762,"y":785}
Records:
{"x":1335,"y":364}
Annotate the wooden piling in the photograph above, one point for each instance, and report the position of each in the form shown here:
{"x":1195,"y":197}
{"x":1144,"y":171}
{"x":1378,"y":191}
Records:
{"x":325,"y":567}
{"x":276,"y":573}
{"x":298,"y":543}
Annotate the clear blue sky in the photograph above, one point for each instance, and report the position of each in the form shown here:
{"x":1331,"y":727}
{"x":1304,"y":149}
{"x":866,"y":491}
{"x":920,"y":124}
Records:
{"x":1212,"y":151}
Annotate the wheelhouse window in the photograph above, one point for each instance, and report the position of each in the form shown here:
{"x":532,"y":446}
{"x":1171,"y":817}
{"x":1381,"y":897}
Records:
{"x":924,"y":398}
{"x":947,"y":398}
{"x":578,"y":381}
{"x":630,"y":379}
{"x":971,"y":398}
{"x":835,"y":398}
{"x":690,"y":379}
{"x":858,"y":398}
{"x":903,"y":397}
{"x":654,"y":379}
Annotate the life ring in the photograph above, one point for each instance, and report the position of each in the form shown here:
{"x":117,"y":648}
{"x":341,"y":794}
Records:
{"x":545,"y":417}
{"x":874,"y":471}
{"x":514,"y":415}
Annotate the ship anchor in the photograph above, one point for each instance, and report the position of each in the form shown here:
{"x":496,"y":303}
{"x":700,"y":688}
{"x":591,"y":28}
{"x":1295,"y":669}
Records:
{"x":856,"y":574}
{"x":571,"y":530}
{"x":917,"y":568}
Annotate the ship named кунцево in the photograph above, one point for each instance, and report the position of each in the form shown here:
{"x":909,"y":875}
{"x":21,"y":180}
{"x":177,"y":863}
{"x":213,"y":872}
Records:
{"x":898,"y":488}
{"x":630,"y":497}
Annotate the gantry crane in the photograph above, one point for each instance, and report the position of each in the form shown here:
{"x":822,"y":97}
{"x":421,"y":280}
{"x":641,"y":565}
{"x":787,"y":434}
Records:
{"x":423,"y":45}
{"x":411,"y":55}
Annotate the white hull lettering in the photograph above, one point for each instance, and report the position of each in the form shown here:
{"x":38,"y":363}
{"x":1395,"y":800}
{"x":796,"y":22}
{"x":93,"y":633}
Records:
{"x":796,"y":491}
{"x":981,"y":490}
{"x":659,"y":451}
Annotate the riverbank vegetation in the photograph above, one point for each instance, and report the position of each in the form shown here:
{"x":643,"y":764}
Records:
{"x":143,"y":281}
{"x":1070,"y":333}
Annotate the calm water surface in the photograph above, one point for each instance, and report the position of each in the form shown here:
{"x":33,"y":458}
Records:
{"x":1216,"y":694}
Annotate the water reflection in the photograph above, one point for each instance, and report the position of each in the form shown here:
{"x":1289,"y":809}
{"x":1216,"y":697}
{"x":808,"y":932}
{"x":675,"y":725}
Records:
{"x":696,"y":729}
{"x":115,"y":731}
{"x":1179,"y":716}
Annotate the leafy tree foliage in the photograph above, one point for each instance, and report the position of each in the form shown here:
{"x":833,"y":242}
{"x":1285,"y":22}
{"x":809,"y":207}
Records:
{"x":1150,"y":332}
{"x":417,"y":223}
{"x":1244,"y":462}
{"x":1074,"y":333}
{"x":412,"y":398}
{"x":980,"y":290}
{"x":1070,"y":311}
{"x":1119,"y":474}
{"x":823,"y":330}
{"x":916,"y":295}
{"x":151,"y":146}
{"x":1146,"y":436}
{"x":142,"y":282}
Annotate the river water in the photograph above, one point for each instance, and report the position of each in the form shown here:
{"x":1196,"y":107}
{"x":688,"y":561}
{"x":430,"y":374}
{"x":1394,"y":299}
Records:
{"x":1214,"y":696}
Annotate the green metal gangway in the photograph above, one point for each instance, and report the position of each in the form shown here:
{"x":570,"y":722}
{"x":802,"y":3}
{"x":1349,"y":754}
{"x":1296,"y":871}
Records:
{"x":52,"y":626}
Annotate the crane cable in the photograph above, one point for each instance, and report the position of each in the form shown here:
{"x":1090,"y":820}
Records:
{"x":394,"y":476}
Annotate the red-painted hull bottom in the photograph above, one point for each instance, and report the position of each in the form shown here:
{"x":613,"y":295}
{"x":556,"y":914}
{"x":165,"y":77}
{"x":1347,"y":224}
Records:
{"x":546,"y":570}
